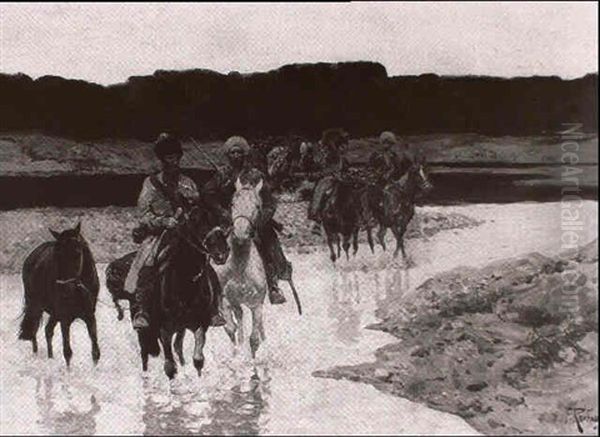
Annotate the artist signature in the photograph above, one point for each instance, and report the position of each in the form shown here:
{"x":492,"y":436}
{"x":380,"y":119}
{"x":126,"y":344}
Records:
{"x":583,"y":415}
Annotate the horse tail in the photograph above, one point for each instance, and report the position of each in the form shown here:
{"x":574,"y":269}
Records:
{"x":32,"y":305}
{"x":30,"y":322}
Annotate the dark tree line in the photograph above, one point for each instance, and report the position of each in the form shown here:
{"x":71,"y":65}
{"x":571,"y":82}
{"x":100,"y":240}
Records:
{"x":296,"y":100}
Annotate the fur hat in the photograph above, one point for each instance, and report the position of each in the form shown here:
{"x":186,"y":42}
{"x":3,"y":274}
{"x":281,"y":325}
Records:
{"x":167,"y":144}
{"x":387,"y":137}
{"x":236,"y":142}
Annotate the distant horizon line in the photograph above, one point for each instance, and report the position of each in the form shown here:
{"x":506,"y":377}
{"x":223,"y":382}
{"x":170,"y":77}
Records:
{"x":258,"y":72}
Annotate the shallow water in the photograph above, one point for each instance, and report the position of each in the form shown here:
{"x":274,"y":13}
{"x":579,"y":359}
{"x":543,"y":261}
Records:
{"x":274,"y":393}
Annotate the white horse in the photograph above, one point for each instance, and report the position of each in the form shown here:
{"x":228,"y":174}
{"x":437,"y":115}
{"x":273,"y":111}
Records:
{"x":243,"y":276}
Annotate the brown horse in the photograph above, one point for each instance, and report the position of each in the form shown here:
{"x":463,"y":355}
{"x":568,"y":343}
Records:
{"x":185,"y":289}
{"x":341,"y":216}
{"x":398,"y":203}
{"x":60,"y":278}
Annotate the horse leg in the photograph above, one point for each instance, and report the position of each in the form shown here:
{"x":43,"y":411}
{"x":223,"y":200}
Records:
{"x":90,"y":322}
{"x":120,"y":313}
{"x":370,"y":240}
{"x":170,"y":368}
{"x":330,"y":243}
{"x":65,"y":328}
{"x":337,"y":242}
{"x":239,"y":315}
{"x":355,"y":241}
{"x":143,"y":351}
{"x":257,"y":329}
{"x":178,"y":345}
{"x":199,"y":340}
{"x":346,"y":245}
{"x":399,"y":234}
{"x":230,"y":323}
{"x":50,"y":325}
{"x":381,"y":236}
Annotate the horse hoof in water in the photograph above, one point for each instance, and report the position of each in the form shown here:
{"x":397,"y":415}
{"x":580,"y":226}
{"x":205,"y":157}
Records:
{"x":96,"y":356}
{"x":199,"y":364}
{"x":170,"y":369}
{"x":254,"y":344}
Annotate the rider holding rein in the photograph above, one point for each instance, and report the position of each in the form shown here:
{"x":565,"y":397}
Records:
{"x":163,"y":198}
{"x":220,"y":190}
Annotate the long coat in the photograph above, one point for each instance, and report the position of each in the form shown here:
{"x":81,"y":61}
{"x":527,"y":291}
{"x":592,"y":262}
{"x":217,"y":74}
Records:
{"x":153,"y":209}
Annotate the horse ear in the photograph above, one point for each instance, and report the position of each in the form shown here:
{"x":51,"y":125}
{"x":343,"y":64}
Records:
{"x":78,"y":228}
{"x":238,"y":184}
{"x":258,"y":186}
{"x":55,"y":234}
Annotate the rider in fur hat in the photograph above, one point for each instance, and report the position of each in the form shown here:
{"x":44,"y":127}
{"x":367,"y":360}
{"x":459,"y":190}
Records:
{"x":220,"y":190}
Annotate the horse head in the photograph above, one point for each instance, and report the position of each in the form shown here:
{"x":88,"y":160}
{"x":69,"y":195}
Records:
{"x":419,"y":172}
{"x":205,"y":232}
{"x":245,"y":209}
{"x":70,"y":251}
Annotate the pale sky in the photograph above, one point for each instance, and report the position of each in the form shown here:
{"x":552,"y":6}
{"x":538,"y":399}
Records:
{"x":106,"y":43}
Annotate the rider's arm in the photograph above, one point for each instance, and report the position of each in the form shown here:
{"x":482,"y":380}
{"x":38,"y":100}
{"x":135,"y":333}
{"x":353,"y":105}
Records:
{"x":189,"y":190}
{"x":269,"y":203}
{"x":213,"y":190}
{"x":148,"y":216}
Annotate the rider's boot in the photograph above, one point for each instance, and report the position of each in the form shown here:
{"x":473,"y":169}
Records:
{"x":276,"y":297}
{"x":141,"y":318}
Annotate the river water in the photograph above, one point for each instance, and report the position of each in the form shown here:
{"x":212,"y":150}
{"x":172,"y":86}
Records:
{"x":276,"y":393}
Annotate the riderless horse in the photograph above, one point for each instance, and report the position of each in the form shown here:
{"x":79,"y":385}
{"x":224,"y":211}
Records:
{"x":60,"y":278}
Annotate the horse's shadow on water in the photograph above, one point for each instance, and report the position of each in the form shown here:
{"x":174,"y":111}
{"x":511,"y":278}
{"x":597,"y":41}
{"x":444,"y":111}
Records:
{"x":235,"y":410}
{"x":62,"y":423}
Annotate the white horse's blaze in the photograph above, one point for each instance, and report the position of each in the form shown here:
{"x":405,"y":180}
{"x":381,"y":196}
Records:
{"x":243,"y":275}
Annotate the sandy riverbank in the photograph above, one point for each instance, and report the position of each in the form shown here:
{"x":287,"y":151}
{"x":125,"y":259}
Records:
{"x":503,"y":344}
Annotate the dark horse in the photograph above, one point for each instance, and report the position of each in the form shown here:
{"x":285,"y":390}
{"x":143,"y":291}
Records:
{"x":60,"y":278}
{"x":185,"y":291}
{"x":342,"y":215}
{"x":394,"y":207}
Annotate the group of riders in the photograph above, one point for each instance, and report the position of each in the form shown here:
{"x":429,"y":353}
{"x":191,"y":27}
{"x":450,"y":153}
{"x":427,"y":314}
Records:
{"x":168,"y":194}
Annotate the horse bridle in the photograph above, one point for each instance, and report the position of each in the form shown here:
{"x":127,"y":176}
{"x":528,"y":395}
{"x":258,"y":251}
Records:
{"x":243,"y":216}
{"x":77,"y":277}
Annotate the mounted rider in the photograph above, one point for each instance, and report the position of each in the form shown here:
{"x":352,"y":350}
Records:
{"x":220,"y":189}
{"x":331,"y":165}
{"x":386,"y":165}
{"x":165,"y":196}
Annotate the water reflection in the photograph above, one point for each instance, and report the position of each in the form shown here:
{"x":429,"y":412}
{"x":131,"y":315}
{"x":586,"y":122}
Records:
{"x":344,"y":306}
{"x":72,"y":421}
{"x":239,"y":411}
{"x":397,"y":282}
{"x":235,"y":409}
